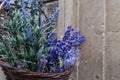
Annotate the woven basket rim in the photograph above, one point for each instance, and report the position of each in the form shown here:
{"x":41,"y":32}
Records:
{"x":30,"y":73}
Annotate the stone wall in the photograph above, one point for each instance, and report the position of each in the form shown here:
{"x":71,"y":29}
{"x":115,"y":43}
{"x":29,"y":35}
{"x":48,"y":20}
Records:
{"x":112,"y":39}
{"x":91,"y":24}
{"x":99,"y":20}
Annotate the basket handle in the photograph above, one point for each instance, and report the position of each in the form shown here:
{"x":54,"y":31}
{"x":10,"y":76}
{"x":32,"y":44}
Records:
{"x":1,"y":5}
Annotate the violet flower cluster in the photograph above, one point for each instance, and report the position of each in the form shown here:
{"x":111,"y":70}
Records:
{"x":42,"y":64}
{"x":64,"y":52}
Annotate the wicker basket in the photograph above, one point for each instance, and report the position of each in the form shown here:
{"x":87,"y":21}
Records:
{"x":13,"y":73}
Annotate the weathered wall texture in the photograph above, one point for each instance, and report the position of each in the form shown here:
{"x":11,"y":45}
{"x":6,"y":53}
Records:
{"x":88,"y":15}
{"x":92,"y":25}
{"x":99,"y":20}
{"x":112,"y":46}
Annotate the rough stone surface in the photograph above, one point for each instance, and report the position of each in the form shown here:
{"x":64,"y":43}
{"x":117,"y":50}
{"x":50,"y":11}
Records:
{"x":112,"y":57}
{"x":112,"y":46}
{"x":113,"y":15}
{"x":92,"y":25}
{"x":94,"y":18}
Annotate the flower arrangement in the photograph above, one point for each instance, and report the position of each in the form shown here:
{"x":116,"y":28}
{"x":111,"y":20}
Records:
{"x":32,"y":45}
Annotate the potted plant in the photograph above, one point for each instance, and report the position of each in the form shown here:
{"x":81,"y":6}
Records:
{"x":30,"y":49}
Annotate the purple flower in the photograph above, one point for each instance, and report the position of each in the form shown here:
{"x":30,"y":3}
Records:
{"x":75,"y":40}
{"x":33,"y":2}
{"x":67,"y":33}
{"x":20,"y":65}
{"x":82,"y":39}
{"x":55,"y":14}
{"x":42,"y":64}
{"x":74,"y":35}
{"x":59,"y":70}
{"x":70,"y":58}
{"x":51,"y":39}
{"x":65,"y":49}
{"x":75,"y":43}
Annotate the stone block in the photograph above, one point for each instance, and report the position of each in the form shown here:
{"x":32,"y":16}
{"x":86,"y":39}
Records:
{"x":92,"y":25}
{"x":113,"y":15}
{"x":112,"y":56}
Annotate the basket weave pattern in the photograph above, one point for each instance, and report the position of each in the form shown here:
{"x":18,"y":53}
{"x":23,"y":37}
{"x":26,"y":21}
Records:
{"x":13,"y":73}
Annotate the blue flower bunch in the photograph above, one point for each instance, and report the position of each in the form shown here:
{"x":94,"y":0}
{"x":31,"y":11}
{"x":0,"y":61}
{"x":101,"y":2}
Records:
{"x":32,"y":44}
{"x":64,"y":52}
